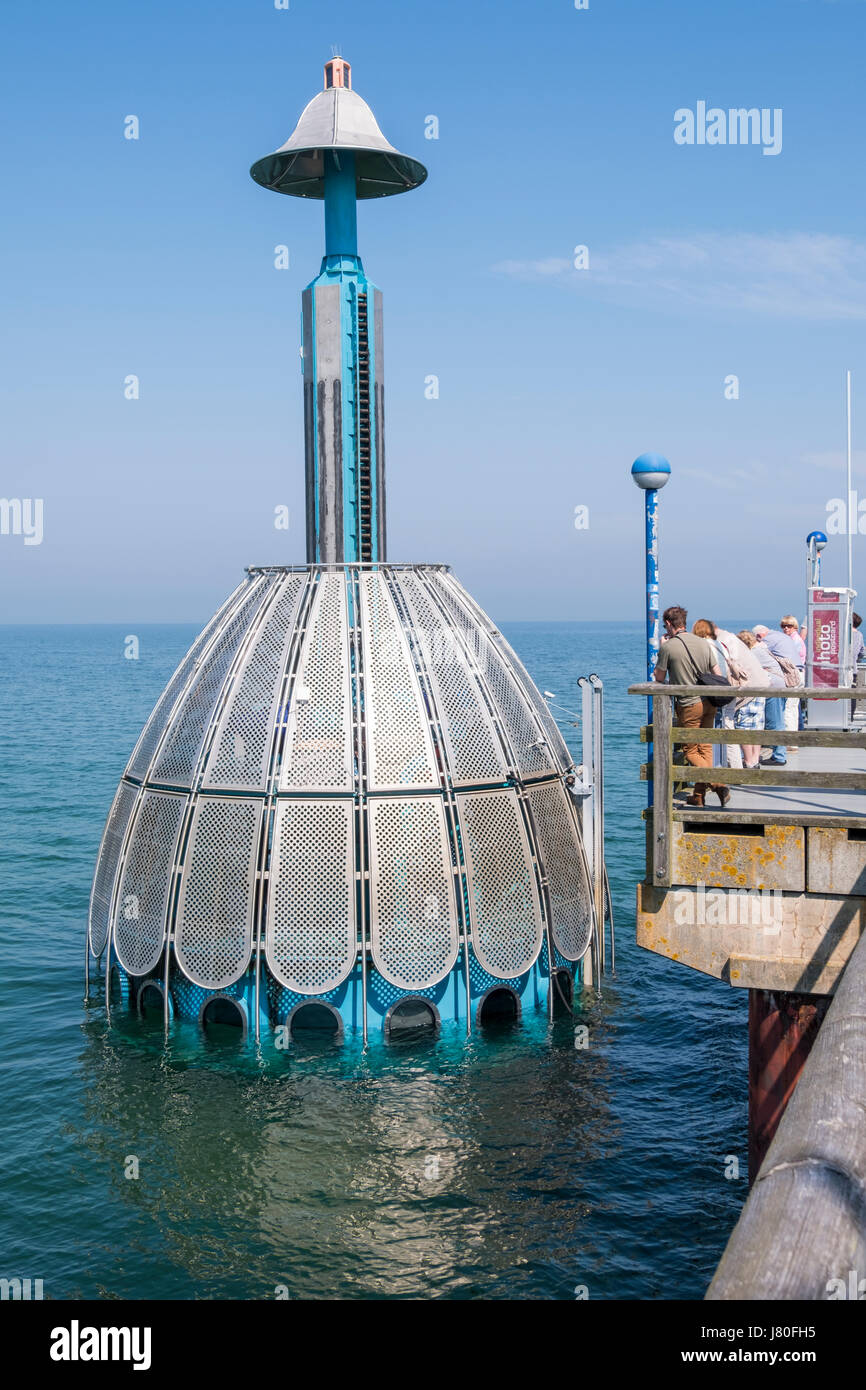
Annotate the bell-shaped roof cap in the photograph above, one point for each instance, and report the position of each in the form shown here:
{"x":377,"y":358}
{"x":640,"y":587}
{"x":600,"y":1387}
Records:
{"x":338,"y":119}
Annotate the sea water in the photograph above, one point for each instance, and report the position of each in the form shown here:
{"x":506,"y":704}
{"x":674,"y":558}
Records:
{"x":510,"y":1165}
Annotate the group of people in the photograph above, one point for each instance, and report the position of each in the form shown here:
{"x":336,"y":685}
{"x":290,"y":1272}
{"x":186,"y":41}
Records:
{"x":763,"y":657}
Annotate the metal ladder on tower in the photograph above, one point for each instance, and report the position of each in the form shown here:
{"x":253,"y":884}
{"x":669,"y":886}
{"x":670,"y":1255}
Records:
{"x":365,"y":484}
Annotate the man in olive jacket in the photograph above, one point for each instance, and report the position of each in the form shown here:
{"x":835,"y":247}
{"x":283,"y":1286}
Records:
{"x":684,"y":657}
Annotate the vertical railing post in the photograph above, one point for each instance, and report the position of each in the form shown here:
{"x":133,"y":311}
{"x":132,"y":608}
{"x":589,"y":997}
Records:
{"x":661,"y":771}
{"x":598,"y":812}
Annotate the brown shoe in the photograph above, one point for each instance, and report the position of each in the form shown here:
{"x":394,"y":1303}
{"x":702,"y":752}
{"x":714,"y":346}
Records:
{"x":696,"y":799}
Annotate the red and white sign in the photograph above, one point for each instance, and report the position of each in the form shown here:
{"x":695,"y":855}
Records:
{"x":826,"y":643}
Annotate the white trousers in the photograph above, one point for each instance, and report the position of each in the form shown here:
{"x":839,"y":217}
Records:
{"x":792,"y":714}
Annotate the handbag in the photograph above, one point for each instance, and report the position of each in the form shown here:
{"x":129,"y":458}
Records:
{"x":790,"y":672}
{"x":717,"y":701}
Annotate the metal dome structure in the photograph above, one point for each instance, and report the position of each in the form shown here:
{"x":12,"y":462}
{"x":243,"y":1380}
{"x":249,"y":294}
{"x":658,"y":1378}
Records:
{"x":350,"y":807}
{"x":346,"y":755}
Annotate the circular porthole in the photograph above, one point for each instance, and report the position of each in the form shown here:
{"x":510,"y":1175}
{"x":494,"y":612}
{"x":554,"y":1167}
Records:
{"x":498,"y":1006}
{"x":220,"y":1013}
{"x":411,"y":1017}
{"x":151,"y":1000}
{"x":315,"y":1021}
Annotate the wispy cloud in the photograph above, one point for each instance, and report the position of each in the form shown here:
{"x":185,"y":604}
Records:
{"x":833,"y":461}
{"x":793,"y":275}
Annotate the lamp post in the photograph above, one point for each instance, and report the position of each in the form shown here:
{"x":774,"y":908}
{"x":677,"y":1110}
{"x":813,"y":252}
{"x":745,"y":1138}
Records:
{"x":815,"y":542}
{"x":651,"y":472}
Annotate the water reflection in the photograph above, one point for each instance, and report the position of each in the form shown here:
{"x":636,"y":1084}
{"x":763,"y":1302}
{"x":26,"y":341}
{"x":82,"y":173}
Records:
{"x":436,"y":1167}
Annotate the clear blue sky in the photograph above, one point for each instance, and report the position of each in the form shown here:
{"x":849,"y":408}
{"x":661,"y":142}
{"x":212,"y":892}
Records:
{"x":155,"y":257}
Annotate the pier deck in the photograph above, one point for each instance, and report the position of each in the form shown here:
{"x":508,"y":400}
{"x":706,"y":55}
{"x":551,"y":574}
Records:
{"x":769,"y":798}
{"x":768,"y":893}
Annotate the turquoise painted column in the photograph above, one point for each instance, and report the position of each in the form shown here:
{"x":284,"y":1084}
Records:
{"x":341,"y":209}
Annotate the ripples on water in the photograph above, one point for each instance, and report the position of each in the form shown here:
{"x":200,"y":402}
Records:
{"x":509,"y":1166}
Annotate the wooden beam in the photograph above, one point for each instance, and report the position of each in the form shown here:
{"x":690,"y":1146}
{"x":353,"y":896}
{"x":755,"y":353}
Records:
{"x":827,"y":822}
{"x":759,"y":776}
{"x":751,"y":692}
{"x":804,"y":1224}
{"x":794,"y":738}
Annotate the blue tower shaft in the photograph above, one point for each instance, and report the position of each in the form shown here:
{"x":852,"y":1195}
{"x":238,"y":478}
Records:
{"x":343,"y":388}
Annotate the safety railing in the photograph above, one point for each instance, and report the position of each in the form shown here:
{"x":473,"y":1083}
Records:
{"x":664,"y":737}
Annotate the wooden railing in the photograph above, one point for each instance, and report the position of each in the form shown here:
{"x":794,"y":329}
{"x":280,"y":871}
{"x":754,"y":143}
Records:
{"x":802,"y":1232}
{"x":665,"y":736}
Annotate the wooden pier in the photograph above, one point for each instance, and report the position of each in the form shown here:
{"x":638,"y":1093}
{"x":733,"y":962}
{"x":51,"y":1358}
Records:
{"x":769,"y":895}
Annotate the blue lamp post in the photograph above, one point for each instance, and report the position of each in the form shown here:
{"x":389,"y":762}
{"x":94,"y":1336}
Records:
{"x":651,"y":472}
{"x":815,"y":542}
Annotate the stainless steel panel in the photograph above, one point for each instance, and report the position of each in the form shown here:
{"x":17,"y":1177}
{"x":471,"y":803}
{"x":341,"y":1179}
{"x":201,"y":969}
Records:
{"x":177,"y":761}
{"x":474,"y":749}
{"x":505,"y":913}
{"x":532,"y":752}
{"x":414,"y":923}
{"x":106,"y":865}
{"x":214,"y":930}
{"x":241,"y":750}
{"x":311,"y":928}
{"x":561,"y":859}
{"x":318,"y":753}
{"x":149,"y":738}
{"x":142,"y":901}
{"x":399,"y":746}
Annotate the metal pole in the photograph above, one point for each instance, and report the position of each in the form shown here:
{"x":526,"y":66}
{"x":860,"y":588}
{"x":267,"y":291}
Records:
{"x":652,"y":607}
{"x":598,"y":817}
{"x":850,"y":514}
{"x":341,"y":208}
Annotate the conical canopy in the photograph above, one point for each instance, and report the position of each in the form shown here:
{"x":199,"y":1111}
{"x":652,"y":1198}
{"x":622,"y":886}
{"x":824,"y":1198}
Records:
{"x":338,"y":119}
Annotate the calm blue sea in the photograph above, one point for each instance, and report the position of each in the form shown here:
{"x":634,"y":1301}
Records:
{"x":513,"y":1167}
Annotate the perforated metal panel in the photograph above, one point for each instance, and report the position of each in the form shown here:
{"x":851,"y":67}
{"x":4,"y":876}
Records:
{"x":241,"y":750}
{"x":474,"y":748}
{"x":318,"y":748}
{"x":106,"y":866}
{"x":504,"y":909}
{"x":412,"y":904}
{"x":139,"y":918}
{"x":214,"y":928}
{"x":164,"y":707}
{"x":559,"y":850}
{"x":532,"y":752}
{"x":311,"y":919}
{"x":179,"y":756}
{"x":399,"y":747}
{"x":426,"y":653}
{"x":533,"y":696}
